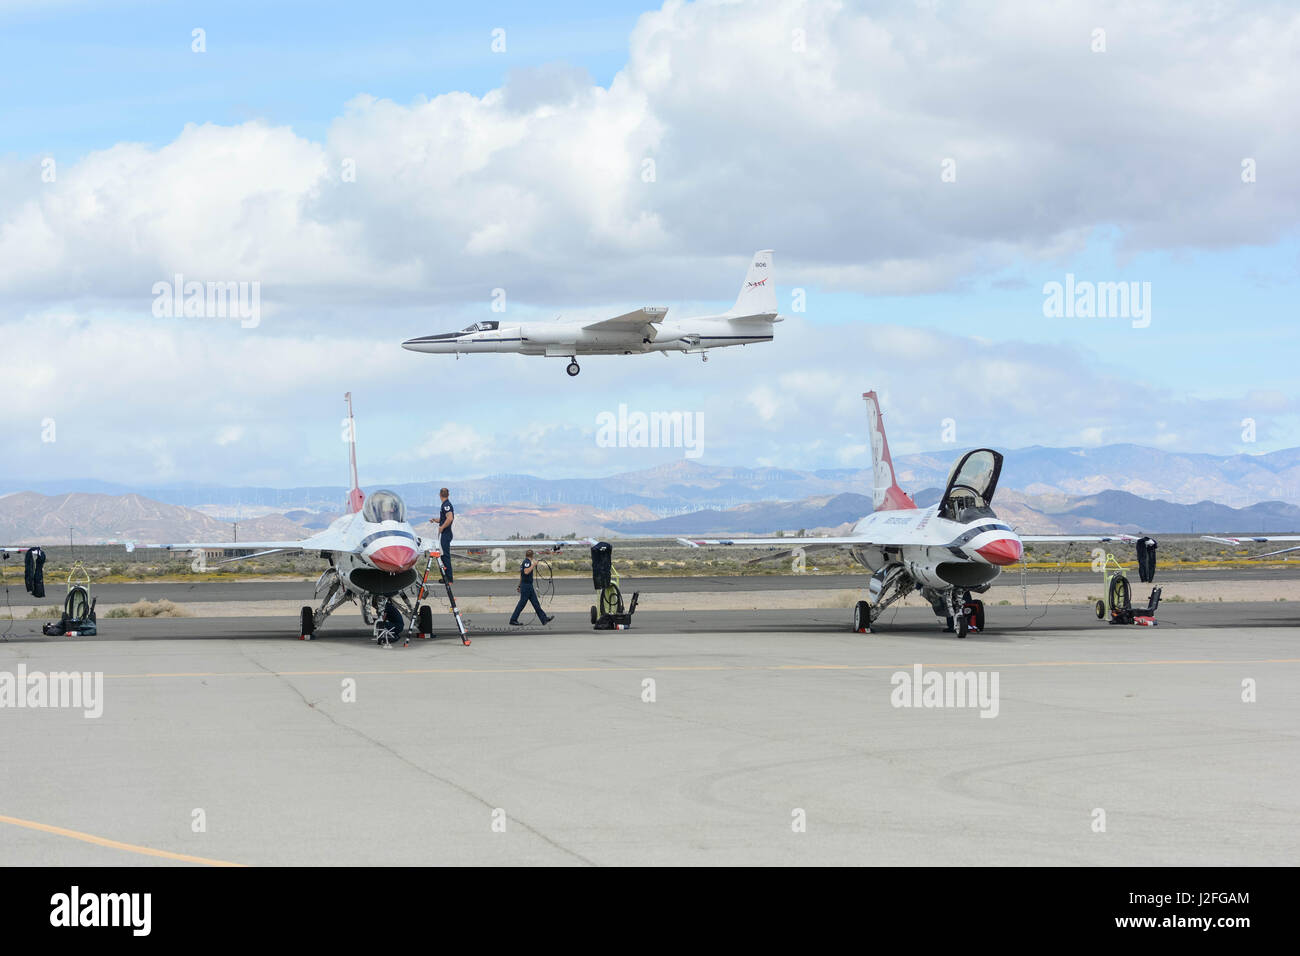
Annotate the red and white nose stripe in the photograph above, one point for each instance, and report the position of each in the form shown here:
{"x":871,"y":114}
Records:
{"x":392,"y":557}
{"x":1001,"y":551}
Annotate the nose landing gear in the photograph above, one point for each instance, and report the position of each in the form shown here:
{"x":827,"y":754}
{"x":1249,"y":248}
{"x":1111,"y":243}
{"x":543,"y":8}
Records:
{"x":573,"y":368}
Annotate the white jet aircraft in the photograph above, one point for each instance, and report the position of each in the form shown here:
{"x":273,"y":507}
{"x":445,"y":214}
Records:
{"x":945,"y":551}
{"x":372,"y":553}
{"x":750,"y":320}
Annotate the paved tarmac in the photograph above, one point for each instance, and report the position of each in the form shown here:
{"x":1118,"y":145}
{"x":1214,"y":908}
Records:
{"x":694,"y":738}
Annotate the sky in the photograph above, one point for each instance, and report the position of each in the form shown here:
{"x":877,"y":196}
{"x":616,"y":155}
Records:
{"x":925,"y":172}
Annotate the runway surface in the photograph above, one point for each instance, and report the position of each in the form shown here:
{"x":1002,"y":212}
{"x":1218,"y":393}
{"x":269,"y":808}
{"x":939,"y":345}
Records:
{"x":183,"y":591}
{"x":335,"y":751}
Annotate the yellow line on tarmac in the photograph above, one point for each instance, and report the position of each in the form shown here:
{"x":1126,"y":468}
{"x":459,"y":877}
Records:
{"x":113,"y":844}
{"x":986,"y":665}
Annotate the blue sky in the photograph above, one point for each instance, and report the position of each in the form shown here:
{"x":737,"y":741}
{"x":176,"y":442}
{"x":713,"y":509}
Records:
{"x":82,"y":76}
{"x":521,"y":170}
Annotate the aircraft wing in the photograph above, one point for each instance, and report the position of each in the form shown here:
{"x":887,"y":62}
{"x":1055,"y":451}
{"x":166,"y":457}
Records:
{"x":632,"y":321}
{"x":317,"y":542}
{"x":1068,"y":538}
{"x":1257,"y":539}
{"x":786,"y":542}
{"x":541,"y":545}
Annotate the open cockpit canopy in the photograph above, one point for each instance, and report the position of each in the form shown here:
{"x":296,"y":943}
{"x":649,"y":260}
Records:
{"x":971,"y":484}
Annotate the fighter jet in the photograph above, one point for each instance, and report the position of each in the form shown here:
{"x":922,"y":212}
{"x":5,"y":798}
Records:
{"x":750,"y":320}
{"x":946,"y":552}
{"x":373,"y":553}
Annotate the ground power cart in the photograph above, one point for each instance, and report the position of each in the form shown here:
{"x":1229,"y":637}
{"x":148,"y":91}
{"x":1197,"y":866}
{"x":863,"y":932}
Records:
{"x":609,"y":613}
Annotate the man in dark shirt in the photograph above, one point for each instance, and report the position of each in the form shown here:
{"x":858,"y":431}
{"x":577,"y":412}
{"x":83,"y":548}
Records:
{"x":446,"y":515}
{"x":527,"y":592}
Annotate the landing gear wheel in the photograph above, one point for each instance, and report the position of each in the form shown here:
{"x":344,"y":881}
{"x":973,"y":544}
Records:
{"x":572,"y":367}
{"x":861,"y":616}
{"x":308,"y":624}
{"x":594,"y":615}
{"x":424,"y":621}
{"x":963,"y":625}
{"x":1101,"y":610}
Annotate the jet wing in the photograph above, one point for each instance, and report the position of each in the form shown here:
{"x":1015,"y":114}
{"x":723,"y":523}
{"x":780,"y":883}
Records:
{"x":317,"y":542}
{"x":1257,"y":539}
{"x":433,"y":543}
{"x":630,"y":322}
{"x":786,"y":542}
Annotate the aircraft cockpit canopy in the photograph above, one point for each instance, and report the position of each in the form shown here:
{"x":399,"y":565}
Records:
{"x":383,"y":506}
{"x":971,"y":485}
{"x":481,"y":327}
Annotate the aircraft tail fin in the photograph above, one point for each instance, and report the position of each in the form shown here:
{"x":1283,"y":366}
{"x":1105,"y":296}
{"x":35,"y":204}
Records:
{"x":355,"y":497}
{"x":757,"y":293}
{"x":886,"y":495}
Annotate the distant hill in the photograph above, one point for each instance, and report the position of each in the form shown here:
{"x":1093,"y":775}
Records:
{"x":687,"y":486}
{"x":1109,"y":511}
{"x":31,"y":518}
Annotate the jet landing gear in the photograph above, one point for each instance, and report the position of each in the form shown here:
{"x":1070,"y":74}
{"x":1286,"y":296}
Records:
{"x":965,"y":614}
{"x":891,"y":583}
{"x":573,"y":368}
{"x":330,"y":589}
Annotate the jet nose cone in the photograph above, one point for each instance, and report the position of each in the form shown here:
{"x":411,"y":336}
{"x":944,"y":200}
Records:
{"x":1001,"y":551}
{"x":393,"y":558}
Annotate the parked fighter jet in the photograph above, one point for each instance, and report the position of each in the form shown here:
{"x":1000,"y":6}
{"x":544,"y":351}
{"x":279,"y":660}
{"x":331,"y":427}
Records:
{"x":372,"y":553}
{"x":947,"y":551}
{"x":750,"y":320}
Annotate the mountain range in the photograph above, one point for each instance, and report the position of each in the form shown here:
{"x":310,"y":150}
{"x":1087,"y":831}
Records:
{"x":1044,"y":490}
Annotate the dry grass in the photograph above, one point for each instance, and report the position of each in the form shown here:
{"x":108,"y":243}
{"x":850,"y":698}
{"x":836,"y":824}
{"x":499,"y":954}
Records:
{"x":143,"y":608}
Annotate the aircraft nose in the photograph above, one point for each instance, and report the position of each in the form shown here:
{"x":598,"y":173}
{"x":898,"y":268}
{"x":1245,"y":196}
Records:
{"x":393,"y":558}
{"x":1002,"y":551}
{"x":431,"y":343}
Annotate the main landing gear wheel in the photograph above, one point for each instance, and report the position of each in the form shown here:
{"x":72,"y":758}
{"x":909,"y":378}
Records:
{"x":572,"y":367}
{"x":308,"y":625}
{"x":861,"y":616}
{"x":963,"y":625}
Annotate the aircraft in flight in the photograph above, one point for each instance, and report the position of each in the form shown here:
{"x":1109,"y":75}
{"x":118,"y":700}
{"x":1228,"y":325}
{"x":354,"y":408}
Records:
{"x":749,"y":321}
{"x":372,"y":553}
{"x":946,"y":551}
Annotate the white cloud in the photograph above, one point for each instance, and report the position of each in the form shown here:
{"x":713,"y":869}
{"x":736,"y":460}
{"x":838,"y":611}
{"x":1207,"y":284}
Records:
{"x":832,"y":154}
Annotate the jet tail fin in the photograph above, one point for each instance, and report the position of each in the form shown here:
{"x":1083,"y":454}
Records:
{"x":886,"y":495}
{"x":757,"y":293}
{"x":355,"y":497}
